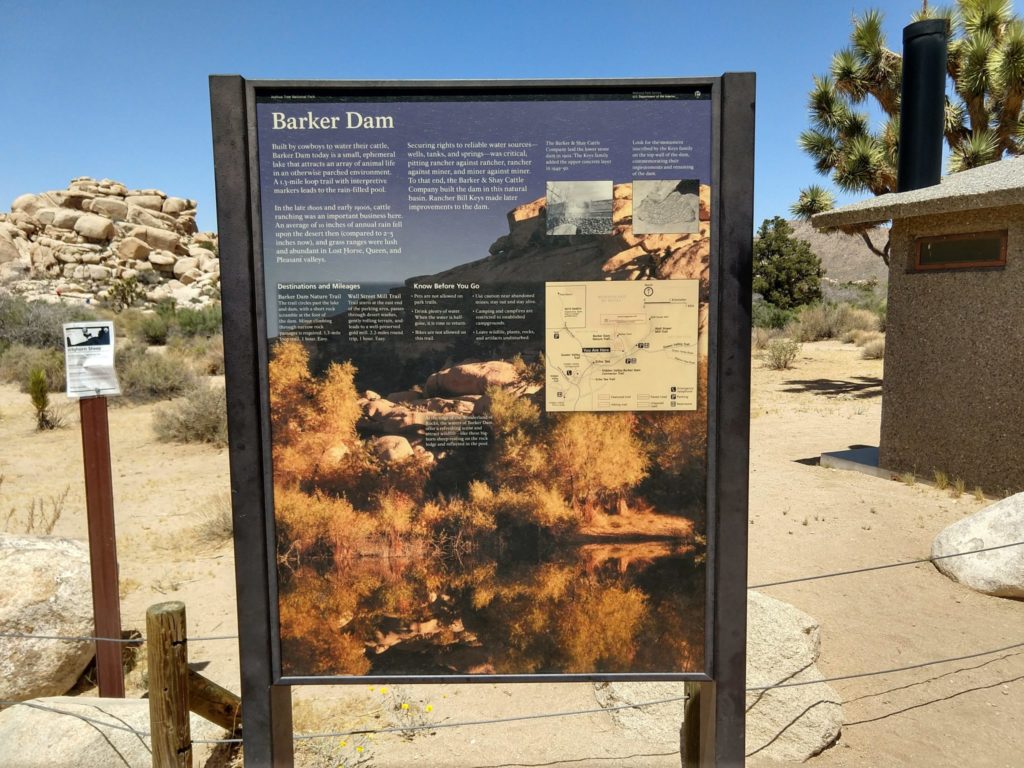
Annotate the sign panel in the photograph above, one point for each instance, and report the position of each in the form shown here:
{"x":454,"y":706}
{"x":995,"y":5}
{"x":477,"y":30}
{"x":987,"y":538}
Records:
{"x":487,"y":322}
{"x":89,"y":359}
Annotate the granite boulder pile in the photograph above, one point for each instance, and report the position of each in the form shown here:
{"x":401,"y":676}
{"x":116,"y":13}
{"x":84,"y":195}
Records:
{"x":100,"y":240}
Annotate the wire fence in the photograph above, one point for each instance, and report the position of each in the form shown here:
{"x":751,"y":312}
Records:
{"x":411,"y":728}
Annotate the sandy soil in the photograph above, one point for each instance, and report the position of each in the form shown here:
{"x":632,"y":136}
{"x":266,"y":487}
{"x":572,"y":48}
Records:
{"x":804,"y":520}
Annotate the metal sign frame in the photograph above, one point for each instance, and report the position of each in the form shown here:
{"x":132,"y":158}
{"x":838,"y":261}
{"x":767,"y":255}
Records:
{"x":266,"y":694}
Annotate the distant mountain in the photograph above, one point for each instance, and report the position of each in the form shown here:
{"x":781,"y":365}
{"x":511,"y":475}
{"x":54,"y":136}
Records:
{"x":845,"y":258}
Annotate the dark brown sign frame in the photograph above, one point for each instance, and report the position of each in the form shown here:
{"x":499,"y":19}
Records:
{"x":265,"y":692}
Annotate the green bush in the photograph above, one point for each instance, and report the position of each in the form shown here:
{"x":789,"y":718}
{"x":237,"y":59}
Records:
{"x":152,"y":376}
{"x":37,"y":323}
{"x":787,"y":273}
{"x":45,"y":418}
{"x":199,"y":322}
{"x":199,"y":417}
{"x":154,"y":329}
{"x":780,"y":354}
{"x":18,"y":362}
{"x":767,"y":315}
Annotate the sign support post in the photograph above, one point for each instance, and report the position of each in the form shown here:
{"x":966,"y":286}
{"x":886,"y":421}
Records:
{"x":99,"y":496}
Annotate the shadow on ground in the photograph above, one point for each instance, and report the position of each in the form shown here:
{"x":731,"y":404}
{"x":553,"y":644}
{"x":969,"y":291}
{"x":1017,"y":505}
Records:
{"x":861,"y":387}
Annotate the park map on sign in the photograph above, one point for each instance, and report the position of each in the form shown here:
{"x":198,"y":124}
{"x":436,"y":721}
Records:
{"x":621,"y":346}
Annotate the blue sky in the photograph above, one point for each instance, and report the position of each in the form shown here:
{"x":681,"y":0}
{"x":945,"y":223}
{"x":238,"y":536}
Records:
{"x":119,"y":89}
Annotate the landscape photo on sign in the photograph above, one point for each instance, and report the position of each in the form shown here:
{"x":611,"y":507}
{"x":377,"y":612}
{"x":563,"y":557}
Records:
{"x":439,"y":508}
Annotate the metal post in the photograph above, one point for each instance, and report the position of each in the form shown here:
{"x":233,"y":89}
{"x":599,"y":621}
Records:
{"x":99,"y":500}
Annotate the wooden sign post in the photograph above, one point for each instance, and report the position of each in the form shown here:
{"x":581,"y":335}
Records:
{"x":99,"y":500}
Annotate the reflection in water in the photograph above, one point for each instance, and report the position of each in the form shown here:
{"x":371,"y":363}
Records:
{"x":627,"y":607}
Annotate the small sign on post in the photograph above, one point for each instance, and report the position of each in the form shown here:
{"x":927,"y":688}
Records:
{"x":89,"y":363}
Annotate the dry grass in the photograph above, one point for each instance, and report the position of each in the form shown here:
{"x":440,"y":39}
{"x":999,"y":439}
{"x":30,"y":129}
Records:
{"x":39,"y":518}
{"x":874,"y":350}
{"x":199,"y":417}
{"x":216,"y":523}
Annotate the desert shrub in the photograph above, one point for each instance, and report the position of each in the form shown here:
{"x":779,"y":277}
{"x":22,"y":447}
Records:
{"x":19,"y":361}
{"x":518,"y":456}
{"x":780,"y":354}
{"x":874,"y":350}
{"x":592,"y":456}
{"x":761,"y":337}
{"x":152,"y":376}
{"x":36,"y":323}
{"x":393,"y":515}
{"x":216,"y":522}
{"x":154,"y":329}
{"x":315,"y":524}
{"x":830,"y":321}
{"x":199,"y":322}
{"x":767,"y":315}
{"x":206,"y":354}
{"x":199,"y":417}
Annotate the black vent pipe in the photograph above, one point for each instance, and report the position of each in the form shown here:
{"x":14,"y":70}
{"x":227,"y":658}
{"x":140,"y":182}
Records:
{"x":922,"y":104}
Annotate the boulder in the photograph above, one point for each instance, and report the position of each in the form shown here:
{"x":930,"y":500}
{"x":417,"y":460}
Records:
{"x":95,"y":227}
{"x":391,"y":448}
{"x":471,"y":378}
{"x":44,"y":732}
{"x":133,"y":249}
{"x":8,"y":250}
{"x":148,"y":218}
{"x":45,"y":590}
{"x":162,"y":260}
{"x":176,"y":205}
{"x":999,"y":572}
{"x":99,"y":273}
{"x":158,"y":238}
{"x":114,"y":209}
{"x":65,"y":218}
{"x":150,"y":202}
{"x":183,"y":265}
{"x":784,"y":724}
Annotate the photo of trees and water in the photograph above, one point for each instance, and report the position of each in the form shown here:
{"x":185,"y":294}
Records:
{"x":432,"y":518}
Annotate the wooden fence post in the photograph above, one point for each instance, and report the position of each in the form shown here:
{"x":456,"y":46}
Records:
{"x":168,"y":686}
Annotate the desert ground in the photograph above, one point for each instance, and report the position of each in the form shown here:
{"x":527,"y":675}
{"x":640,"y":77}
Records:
{"x":804,"y":520}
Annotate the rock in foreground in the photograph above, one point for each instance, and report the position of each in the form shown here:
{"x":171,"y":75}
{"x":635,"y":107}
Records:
{"x":999,"y":572}
{"x":783,"y":724}
{"x":45,"y":590}
{"x":46,"y":732}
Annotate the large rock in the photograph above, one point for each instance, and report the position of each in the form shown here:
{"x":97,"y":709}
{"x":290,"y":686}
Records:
{"x":391,"y":448}
{"x":783,"y":724}
{"x":999,"y":572}
{"x":471,"y":378}
{"x":95,"y":227}
{"x":109,"y":207}
{"x":45,"y":732}
{"x":8,"y":250}
{"x":45,"y":590}
{"x":133,"y":249}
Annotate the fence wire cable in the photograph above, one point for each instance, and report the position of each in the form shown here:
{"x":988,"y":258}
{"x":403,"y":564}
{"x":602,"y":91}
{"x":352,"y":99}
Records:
{"x":881,"y":672}
{"x":883,"y":567}
{"x":538,"y":716}
{"x":867,"y":569}
{"x":122,"y":640}
{"x":514,"y":719}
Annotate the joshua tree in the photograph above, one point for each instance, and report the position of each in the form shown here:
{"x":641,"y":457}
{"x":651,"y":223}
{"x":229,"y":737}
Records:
{"x":984,"y":121}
